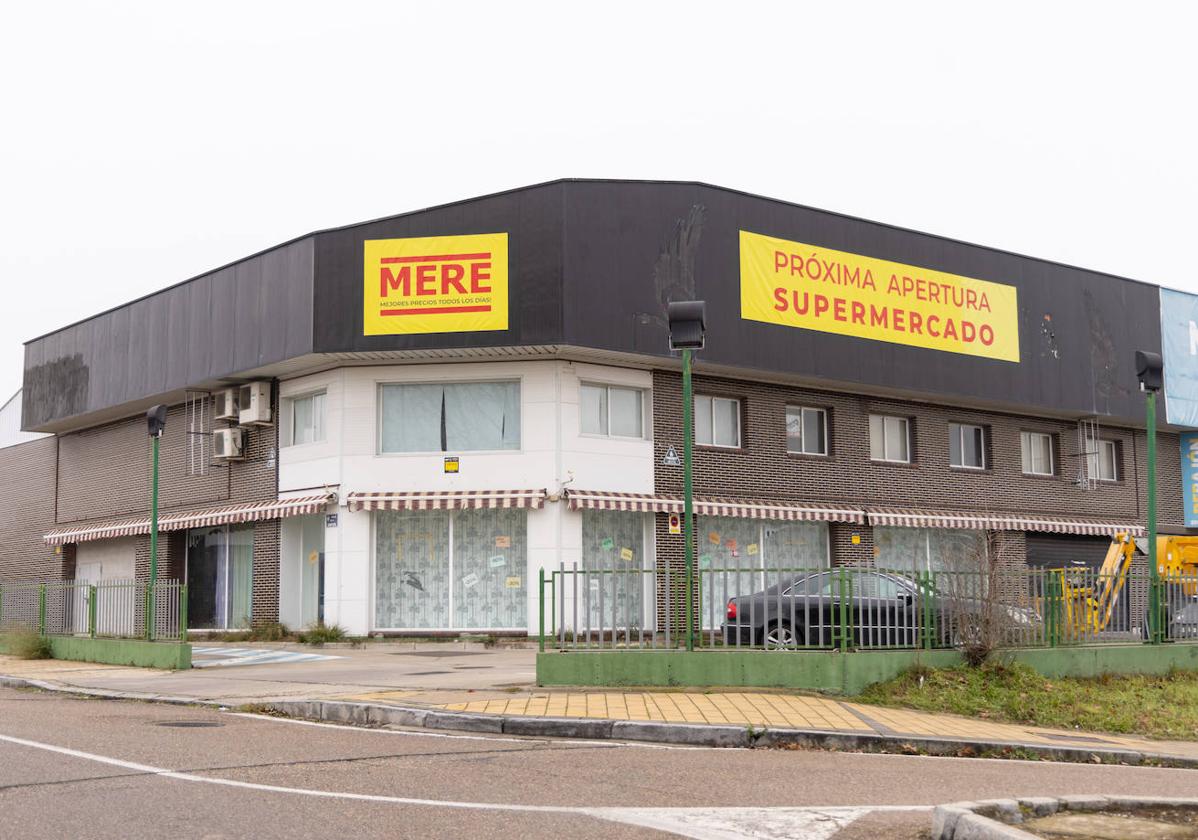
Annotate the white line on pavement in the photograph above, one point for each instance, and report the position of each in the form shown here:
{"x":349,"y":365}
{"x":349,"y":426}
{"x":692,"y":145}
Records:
{"x":805,"y":823}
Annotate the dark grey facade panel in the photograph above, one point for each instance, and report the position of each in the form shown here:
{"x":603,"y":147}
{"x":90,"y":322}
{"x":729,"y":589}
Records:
{"x":592,"y":264}
{"x":632,"y":246}
{"x":254,"y":313}
{"x":532,"y":220}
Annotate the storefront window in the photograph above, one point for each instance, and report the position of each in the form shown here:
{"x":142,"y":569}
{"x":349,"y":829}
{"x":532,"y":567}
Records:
{"x":743,"y":556}
{"x":613,"y":542}
{"x":220,"y":577}
{"x":911,"y":550}
{"x":451,"y":569}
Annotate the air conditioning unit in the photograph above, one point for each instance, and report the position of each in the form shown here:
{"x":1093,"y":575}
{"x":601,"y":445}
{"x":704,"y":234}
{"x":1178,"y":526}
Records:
{"x":226,"y":404}
{"x":254,"y":404}
{"x":228,"y":444}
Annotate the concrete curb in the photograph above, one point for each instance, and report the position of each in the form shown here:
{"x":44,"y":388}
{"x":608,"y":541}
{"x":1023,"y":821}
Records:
{"x":996,"y":819}
{"x":601,"y":729}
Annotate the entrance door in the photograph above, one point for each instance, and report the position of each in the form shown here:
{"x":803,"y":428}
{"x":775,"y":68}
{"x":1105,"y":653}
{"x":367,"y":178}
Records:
{"x":312,"y":570}
{"x":219,"y":577}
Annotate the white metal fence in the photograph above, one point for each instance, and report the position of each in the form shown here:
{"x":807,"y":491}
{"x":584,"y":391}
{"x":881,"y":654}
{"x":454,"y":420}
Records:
{"x":105,"y":609}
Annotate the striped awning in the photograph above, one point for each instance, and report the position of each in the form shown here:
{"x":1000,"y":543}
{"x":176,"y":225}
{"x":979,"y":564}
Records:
{"x":913,"y":518}
{"x":447,"y":500}
{"x":204,"y":518}
{"x":714,"y":506}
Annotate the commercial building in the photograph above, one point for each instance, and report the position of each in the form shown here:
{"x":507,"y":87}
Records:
{"x":434,"y":407}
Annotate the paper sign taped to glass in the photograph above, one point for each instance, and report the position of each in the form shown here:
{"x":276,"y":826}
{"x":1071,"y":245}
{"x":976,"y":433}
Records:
{"x":497,"y":561}
{"x":512,"y":582}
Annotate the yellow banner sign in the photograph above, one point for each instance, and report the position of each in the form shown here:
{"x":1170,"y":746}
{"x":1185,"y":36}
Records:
{"x":436,"y":284}
{"x":798,"y":285}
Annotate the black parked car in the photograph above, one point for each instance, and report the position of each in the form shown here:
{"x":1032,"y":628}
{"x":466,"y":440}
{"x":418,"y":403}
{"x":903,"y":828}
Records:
{"x":883,"y":610}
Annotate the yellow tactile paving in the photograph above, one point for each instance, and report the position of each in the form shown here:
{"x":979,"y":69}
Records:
{"x":782,"y":710}
{"x":739,"y":708}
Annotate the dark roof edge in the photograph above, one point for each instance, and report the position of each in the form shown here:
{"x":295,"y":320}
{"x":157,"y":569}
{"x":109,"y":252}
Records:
{"x":541,"y":184}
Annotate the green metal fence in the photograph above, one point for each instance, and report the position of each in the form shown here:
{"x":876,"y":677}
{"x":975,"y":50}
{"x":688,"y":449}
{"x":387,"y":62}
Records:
{"x":859,"y":608}
{"x":116,"y":609}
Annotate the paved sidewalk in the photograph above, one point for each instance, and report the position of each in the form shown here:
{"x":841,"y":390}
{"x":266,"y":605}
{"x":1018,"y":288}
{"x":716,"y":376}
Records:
{"x":472,"y":687}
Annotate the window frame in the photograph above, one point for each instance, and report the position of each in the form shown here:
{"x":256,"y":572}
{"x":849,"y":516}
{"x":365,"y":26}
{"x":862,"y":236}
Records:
{"x":380,"y":384}
{"x":287,"y":439}
{"x":1097,"y":461}
{"x":608,"y":387}
{"x":801,"y":409}
{"x":906,"y":421}
{"x":961,"y":429}
{"x":1025,"y":436}
{"x":739,"y":422}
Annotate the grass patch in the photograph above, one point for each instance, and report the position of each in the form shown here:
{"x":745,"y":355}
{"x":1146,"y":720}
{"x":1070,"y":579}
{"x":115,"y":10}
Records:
{"x":1152,"y":706}
{"x":321,"y":634}
{"x":28,"y":644}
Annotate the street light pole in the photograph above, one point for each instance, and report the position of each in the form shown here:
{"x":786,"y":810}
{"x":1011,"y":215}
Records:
{"x":687,"y":328}
{"x":1150,"y":371}
{"x":688,"y":520}
{"x":156,"y":421}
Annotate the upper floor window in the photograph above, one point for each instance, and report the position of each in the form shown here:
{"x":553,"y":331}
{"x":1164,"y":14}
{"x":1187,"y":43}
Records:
{"x":1104,"y":461}
{"x":449,"y":417}
{"x":613,"y":411}
{"x":1037,"y":453}
{"x":890,"y":439}
{"x":303,"y":419}
{"x":717,"y":421}
{"x":966,"y":446}
{"x":806,"y":430}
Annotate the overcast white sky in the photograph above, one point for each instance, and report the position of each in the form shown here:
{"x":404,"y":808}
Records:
{"x":143,"y":143}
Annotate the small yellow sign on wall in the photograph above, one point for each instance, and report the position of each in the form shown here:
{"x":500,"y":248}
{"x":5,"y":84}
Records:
{"x":435,"y":284}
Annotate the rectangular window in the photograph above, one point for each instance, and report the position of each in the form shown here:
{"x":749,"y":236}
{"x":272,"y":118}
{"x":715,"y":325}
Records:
{"x":1037,"y":453}
{"x":806,"y":430}
{"x":612,"y":411}
{"x":457,"y":417}
{"x":717,"y":421}
{"x":220,"y":577}
{"x":890,"y":439}
{"x":966,"y":446}
{"x":612,"y":594}
{"x":304,"y":418}
{"x":913,"y":550}
{"x":1102,"y":461}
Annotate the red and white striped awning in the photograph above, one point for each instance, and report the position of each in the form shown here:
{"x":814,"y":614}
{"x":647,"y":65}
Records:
{"x":179,"y":521}
{"x":715,"y":506}
{"x":447,"y":500}
{"x":913,"y":518}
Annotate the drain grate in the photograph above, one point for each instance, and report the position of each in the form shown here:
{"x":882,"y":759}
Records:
{"x":189,"y":724}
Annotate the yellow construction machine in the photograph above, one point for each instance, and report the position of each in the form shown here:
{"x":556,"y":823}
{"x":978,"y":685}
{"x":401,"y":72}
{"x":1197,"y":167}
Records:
{"x":1090,"y":597}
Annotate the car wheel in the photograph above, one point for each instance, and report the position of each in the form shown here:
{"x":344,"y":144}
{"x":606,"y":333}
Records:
{"x":781,"y":636}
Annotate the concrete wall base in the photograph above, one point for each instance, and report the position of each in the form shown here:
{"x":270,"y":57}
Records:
{"x":835,"y":673}
{"x":167,"y":656}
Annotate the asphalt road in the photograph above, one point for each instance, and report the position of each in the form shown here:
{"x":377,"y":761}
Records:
{"x":79,"y":768}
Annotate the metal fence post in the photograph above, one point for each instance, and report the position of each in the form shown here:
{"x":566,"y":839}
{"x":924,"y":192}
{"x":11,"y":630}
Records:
{"x":149,"y":619}
{"x":41,"y":610}
{"x":91,"y":611}
{"x":929,"y":616}
{"x":1053,"y":593}
{"x":541,"y":610}
{"x":183,"y":612}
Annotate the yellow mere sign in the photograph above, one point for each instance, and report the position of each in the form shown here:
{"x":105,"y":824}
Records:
{"x":435,"y":284}
{"x":813,"y":288}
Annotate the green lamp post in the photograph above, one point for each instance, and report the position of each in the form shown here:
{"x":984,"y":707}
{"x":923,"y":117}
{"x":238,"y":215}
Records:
{"x":156,"y":421}
{"x":687,"y":330}
{"x":1150,"y":371}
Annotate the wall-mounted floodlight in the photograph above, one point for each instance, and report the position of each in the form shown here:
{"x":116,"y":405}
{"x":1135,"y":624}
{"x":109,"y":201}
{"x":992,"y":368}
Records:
{"x":156,"y":420}
{"x":1150,"y":370}
{"x":687,"y":324}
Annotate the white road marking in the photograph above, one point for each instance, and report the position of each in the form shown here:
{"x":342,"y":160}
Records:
{"x":804,"y":823}
{"x":226,"y":657}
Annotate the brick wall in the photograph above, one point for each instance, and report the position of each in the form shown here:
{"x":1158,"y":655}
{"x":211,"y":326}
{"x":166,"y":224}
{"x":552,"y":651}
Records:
{"x":104,"y":472}
{"x":27,"y":513}
{"x":762,"y":468}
